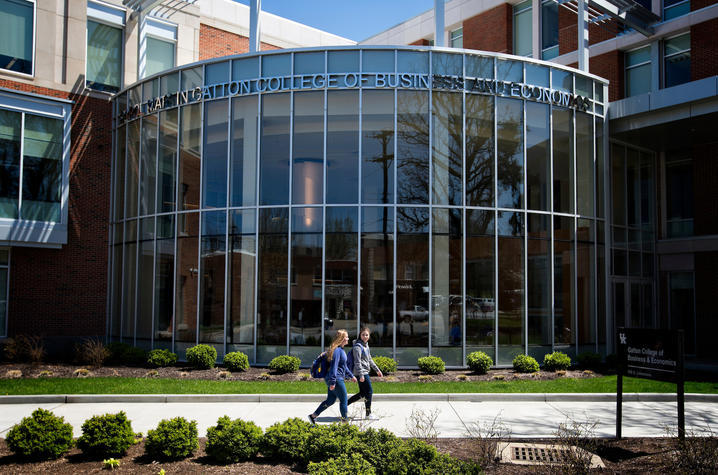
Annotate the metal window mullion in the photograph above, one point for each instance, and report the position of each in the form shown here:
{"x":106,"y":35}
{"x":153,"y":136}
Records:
{"x":607,"y":212}
{"x":22,"y":162}
{"x":111,"y":227}
{"x":574,"y":132}
{"x":431,"y":203}
{"x":228,"y":203}
{"x":552,"y":252}
{"x":291,"y":224}
{"x":175,"y":219}
{"x":395,"y":203}
{"x":595,"y":232}
{"x":199,"y":214}
{"x":496,"y":223}
{"x":325,"y":112}
{"x":154,"y":277}
{"x":526,"y":224}
{"x":359,"y":210}
{"x":463,"y":216}
{"x":138,"y":230}
{"x":257,"y":156}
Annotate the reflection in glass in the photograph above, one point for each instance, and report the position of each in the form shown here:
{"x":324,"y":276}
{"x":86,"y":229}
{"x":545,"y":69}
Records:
{"x":538,"y":283}
{"x":240,"y":328}
{"x":243,"y":164}
{"x":148,"y":160}
{"x":510,"y":153}
{"x":133,"y":170}
{"x":510,"y":231}
{"x":479,"y":150}
{"x":586,"y":291}
{"x":600,"y":160}
{"x":340,"y":281}
{"x":342,"y":146}
{"x":119,"y":171}
{"x":167,"y":162}
{"x":42,"y":168}
{"x":446,"y":285}
{"x":584,"y":164}
{"x":308,"y":148}
{"x":187,"y":276}
{"x":618,"y":184}
{"x":562,"y":161}
{"x":164,"y":281}
{"x":146,"y":262}
{"x":412,"y":283}
{"x":129,"y":279}
{"x":117,"y":284}
{"x":377,"y":276}
{"x":214,"y":154}
{"x":412,"y":166}
{"x":480,"y":295}
{"x":446,"y":148}
{"x":189,"y":175}
{"x":378,"y":147}
{"x":538,"y":156}
{"x":274,"y":154}
{"x":563,"y":277}
{"x":211,"y":286}
{"x":272,"y":282}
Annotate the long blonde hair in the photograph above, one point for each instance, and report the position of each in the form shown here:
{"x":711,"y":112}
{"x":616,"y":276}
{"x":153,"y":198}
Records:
{"x":341,"y":334}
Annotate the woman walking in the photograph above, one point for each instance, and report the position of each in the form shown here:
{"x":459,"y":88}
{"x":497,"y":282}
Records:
{"x":363,"y":364}
{"x":336,"y":374}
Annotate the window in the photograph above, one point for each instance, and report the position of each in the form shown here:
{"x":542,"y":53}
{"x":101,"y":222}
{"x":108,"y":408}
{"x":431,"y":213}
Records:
{"x":638,"y":71}
{"x":104,"y":47}
{"x":522,"y":29}
{"x":679,"y":196}
{"x":456,"y":38}
{"x":17,"y":35}
{"x":677,"y":60}
{"x":675,"y":8}
{"x":159,"y":47}
{"x":549,"y":29}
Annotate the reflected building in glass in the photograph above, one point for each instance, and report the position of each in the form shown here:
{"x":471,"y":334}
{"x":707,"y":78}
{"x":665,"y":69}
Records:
{"x":451,"y":201}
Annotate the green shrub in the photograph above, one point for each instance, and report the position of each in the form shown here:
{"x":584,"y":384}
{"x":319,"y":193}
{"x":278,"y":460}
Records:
{"x":173,"y":439}
{"x":236,"y":361}
{"x":447,"y":465}
{"x":385,"y":364}
{"x":411,"y":457}
{"x":161,"y":358}
{"x":232,"y":441}
{"x":42,"y":436}
{"x":325,"y":442}
{"x":556,"y":361}
{"x":479,"y":362}
{"x":525,"y":364}
{"x":286,"y":440}
{"x":431,"y":364}
{"x":285,"y":364}
{"x":124,"y":354}
{"x":589,"y":360}
{"x":110,"y":434}
{"x":341,"y":465}
{"x":375,"y":445}
{"x":202,"y":356}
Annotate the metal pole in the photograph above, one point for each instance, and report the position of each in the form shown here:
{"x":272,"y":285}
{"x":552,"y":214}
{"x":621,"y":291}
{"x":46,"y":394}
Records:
{"x":438,"y":22}
{"x":255,"y":7}
{"x":582,"y":36}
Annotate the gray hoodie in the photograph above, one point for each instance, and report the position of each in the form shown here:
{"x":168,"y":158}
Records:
{"x":363,"y":362}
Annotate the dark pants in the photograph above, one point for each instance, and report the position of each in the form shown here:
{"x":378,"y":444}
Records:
{"x":365,"y":391}
{"x":340,"y":393}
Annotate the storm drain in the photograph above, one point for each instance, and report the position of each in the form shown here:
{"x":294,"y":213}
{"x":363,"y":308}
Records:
{"x":535,"y":454}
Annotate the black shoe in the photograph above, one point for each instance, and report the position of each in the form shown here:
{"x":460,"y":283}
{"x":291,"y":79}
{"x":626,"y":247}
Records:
{"x":312,"y":419}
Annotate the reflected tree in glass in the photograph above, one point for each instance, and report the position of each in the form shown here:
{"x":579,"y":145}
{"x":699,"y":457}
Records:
{"x":479,"y":150}
{"x":240,"y":329}
{"x":212,"y":281}
{"x":511,"y":285}
{"x":378,"y":147}
{"x":480,"y":272}
{"x":510,"y":154}
{"x":272,"y":283}
{"x":412,"y":170}
{"x":447,"y":148}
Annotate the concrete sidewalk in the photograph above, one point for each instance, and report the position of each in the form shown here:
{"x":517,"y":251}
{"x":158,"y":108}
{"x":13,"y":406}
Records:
{"x":526,"y":415}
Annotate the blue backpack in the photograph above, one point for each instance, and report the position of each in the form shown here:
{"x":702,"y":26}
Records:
{"x":350,"y":357}
{"x":320,"y":365}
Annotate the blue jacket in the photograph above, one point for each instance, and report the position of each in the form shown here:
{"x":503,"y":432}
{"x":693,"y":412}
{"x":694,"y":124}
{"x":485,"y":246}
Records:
{"x":338,"y":368}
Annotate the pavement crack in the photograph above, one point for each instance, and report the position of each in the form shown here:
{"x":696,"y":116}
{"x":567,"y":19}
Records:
{"x":461,"y":419}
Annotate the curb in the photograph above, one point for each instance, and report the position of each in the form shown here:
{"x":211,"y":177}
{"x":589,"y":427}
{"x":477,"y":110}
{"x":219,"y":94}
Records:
{"x":397,"y":397}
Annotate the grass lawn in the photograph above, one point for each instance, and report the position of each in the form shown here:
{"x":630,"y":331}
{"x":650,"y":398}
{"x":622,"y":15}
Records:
{"x":603,"y":384}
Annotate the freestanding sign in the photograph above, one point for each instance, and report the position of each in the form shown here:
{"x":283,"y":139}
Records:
{"x":650,"y":354}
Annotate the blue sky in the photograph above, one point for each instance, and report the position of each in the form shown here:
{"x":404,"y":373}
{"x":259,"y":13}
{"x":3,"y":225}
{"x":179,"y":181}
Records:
{"x":356,"y":20}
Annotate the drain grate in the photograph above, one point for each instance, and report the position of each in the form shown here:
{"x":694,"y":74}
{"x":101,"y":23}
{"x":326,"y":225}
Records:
{"x":539,"y":454}
{"x":535,"y":454}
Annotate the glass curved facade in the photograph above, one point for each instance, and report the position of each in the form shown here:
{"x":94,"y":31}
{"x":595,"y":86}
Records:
{"x":450,"y":200}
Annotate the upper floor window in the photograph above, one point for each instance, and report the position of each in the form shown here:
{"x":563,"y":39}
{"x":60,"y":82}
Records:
{"x":159,"y":47}
{"x":675,"y":8}
{"x":105,"y":26}
{"x":549,"y":29}
{"x":456,"y":38}
{"x":17,"y":21}
{"x":522,"y":29}
{"x":679,"y":196}
{"x":638,"y":71}
{"x":677,"y":60}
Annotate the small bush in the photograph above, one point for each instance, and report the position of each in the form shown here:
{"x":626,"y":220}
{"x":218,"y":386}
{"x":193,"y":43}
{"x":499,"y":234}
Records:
{"x":110,"y":464}
{"x":13,"y":374}
{"x":153,"y":373}
{"x":479,"y":362}
{"x":325,"y":442}
{"x":224,"y":375}
{"x":525,"y":364}
{"x":202,"y":356}
{"x":556,"y":361}
{"x":385,"y":364}
{"x":22,"y":348}
{"x":447,"y":465}
{"x":589,"y":360}
{"x":431,"y":364}
{"x":426,"y":378}
{"x":375,"y":445}
{"x":42,"y":436}
{"x":286,"y":440}
{"x":92,"y":352}
{"x":236,"y":361}
{"x":173,"y":439}
{"x":285,"y":364}
{"x":81,"y":373}
{"x":161,"y":358}
{"x":124,"y":354}
{"x":345,"y":463}
{"x":110,"y":434}
{"x":413,"y":456}
{"x":232,"y":441}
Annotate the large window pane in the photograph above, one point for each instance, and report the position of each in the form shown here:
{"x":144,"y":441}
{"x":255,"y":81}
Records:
{"x":129,"y":280}
{"x":211,"y":267}
{"x":214,"y":155}
{"x":342,"y":146}
{"x":480,"y":150}
{"x":522,"y":29}
{"x":189,"y":167}
{"x":412,"y":147}
{"x":677,"y":60}
{"x":562,"y":161}
{"x":274,"y":154}
{"x":117,"y":283}
{"x":340,"y":282}
{"x":510,"y":231}
{"x":133,"y":168}
{"x":538,"y":283}
{"x":585,"y":165}
{"x":145,"y":290}
{"x":148,"y":164}
{"x":160,"y":56}
{"x":240,"y":329}
{"x":638,"y":71}
{"x":42,"y":169}
{"x":538,"y":156}
{"x":16,"y":35}
{"x":510,"y":153}
{"x":446,"y":285}
{"x":187,"y":279}
{"x":679,"y":196}
{"x":378,"y":147}
{"x":480,"y":273}
{"x":563,"y":275}
{"x":104,"y":57}
{"x":164,"y":281}
{"x":447,"y":148}
{"x":167,"y":162}
{"x":549,"y":29}
{"x":119,"y":172}
{"x":308,"y":148}
{"x":243,"y":165}
{"x":585,"y":283}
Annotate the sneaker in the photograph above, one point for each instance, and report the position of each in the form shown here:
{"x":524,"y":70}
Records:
{"x":312,"y":419}
{"x":344,"y":420}
{"x":371,"y":417}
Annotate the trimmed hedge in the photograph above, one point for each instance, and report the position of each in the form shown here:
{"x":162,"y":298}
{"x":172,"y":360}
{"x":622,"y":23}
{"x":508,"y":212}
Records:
{"x":161,"y":358}
{"x":285,"y":364}
{"x":385,"y":364}
{"x":124,"y":354}
{"x":556,"y":361}
{"x":286,"y":440}
{"x":479,"y":362}
{"x":232,"y":441}
{"x":431,"y":365}
{"x":525,"y":364}
{"x":107,"y":435}
{"x":345,"y":463}
{"x":173,"y":439}
{"x":202,"y":356}
{"x":42,"y":436}
{"x":236,"y":361}
{"x":589,"y":360}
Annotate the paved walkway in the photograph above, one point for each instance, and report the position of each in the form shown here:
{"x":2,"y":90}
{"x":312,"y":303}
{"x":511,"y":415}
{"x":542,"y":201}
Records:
{"x":526,"y":415}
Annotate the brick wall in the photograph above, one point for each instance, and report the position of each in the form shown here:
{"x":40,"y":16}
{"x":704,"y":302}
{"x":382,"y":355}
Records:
{"x":421,"y":42}
{"x":704,"y":45}
{"x":62,"y":292}
{"x":215,"y":43}
{"x":491,"y":30}
{"x":568,"y":31}
{"x":609,"y":66}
